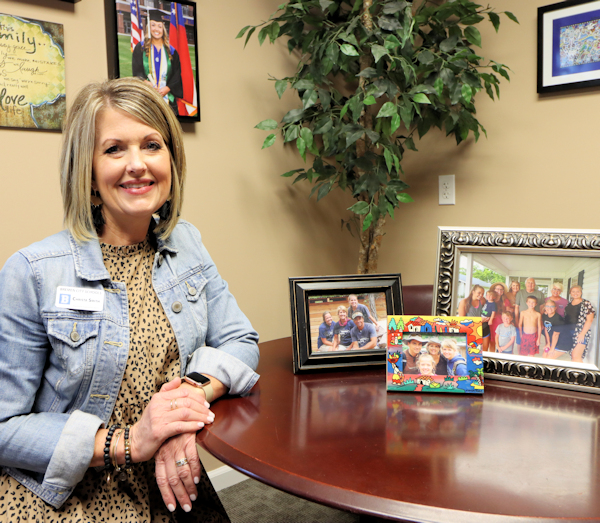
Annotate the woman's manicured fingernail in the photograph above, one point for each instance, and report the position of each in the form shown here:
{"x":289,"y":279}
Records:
{"x":210,"y":419}
{"x":193,"y":497}
{"x":187,"y":508}
{"x":196,"y":480}
{"x":201,"y":424}
{"x":207,"y":404}
{"x":171,"y":508}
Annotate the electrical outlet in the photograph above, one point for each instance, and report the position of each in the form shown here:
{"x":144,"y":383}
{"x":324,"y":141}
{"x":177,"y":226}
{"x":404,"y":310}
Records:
{"x":447,"y":189}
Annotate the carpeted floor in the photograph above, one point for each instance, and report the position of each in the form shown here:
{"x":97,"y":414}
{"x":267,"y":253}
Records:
{"x":253,"y":502}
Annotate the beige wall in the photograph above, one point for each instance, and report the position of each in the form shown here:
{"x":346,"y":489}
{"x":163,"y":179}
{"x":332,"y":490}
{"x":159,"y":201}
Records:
{"x":536,"y":169}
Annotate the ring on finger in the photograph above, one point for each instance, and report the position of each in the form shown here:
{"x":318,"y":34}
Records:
{"x":182,"y":462}
{"x":173,"y":404}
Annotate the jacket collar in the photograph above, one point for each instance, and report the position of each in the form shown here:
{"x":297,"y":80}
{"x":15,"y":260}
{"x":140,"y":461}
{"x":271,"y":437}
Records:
{"x":89,"y":263}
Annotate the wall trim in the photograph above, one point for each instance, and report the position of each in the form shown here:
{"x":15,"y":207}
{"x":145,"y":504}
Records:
{"x":225,"y":476}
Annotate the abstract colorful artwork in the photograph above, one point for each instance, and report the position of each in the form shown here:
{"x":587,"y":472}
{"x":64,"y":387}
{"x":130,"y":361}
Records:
{"x":435,"y":354}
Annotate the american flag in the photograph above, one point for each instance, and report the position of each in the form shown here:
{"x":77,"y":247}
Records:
{"x":136,"y":26}
{"x":188,"y":105}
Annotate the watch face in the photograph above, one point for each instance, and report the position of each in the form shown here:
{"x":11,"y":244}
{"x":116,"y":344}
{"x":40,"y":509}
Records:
{"x":198,"y":378}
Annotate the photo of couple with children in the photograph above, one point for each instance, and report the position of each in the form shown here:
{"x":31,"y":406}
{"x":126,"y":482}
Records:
{"x":361,"y":322}
{"x":526,"y":322}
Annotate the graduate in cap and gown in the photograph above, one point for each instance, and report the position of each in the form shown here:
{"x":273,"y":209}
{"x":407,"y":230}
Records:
{"x":157,"y":62}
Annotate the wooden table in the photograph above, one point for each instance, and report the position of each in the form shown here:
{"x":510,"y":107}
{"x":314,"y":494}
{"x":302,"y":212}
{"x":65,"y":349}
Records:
{"x":514,"y":454}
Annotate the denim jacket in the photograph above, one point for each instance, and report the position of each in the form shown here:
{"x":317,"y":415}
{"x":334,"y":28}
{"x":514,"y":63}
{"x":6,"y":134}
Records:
{"x":58,"y":388}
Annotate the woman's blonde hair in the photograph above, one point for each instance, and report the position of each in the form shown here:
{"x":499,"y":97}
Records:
{"x":139,"y":100}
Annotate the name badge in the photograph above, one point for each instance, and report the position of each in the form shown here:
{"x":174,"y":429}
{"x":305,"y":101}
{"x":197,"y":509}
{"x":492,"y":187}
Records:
{"x":80,"y":299}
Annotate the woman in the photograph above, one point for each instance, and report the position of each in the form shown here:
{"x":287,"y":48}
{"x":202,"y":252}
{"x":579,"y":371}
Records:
{"x":433,"y":348}
{"x":472,"y":305}
{"x":457,"y":365}
{"x":99,"y":323}
{"x":515,"y":287}
{"x":157,"y":62}
{"x":559,"y":301}
{"x":502,"y":304}
{"x":325,"y":341}
{"x":580,"y":315}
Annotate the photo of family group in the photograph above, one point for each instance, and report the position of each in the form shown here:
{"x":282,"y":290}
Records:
{"x":534,"y":306}
{"x":348,"y":322}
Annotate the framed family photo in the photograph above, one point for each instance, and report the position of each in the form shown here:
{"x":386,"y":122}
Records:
{"x":435,"y":354}
{"x":538,"y":292}
{"x":568,"y":45}
{"x":156,"y":40}
{"x":340,"y":321}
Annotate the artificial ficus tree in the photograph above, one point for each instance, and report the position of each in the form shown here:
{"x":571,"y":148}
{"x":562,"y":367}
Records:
{"x":371,"y":76}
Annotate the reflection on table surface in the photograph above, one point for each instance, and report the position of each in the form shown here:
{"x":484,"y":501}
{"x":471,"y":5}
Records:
{"x":516,"y":450}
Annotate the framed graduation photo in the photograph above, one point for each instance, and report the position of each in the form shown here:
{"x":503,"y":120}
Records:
{"x":157,"y":41}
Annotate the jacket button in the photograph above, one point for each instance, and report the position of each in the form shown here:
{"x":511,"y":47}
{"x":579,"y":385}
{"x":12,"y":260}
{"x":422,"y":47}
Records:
{"x":160,"y":260}
{"x":192,"y":291}
{"x":176,"y":307}
{"x":75,"y":336}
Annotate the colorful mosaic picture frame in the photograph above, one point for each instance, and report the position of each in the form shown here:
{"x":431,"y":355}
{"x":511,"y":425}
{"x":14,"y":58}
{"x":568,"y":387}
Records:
{"x":412,"y":347}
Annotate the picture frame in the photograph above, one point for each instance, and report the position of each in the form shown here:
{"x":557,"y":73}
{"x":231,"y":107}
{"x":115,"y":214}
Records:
{"x":311,"y":298}
{"x":435,"y":354}
{"x":177,"y":66}
{"x":568,"y":45}
{"x":554,"y":260}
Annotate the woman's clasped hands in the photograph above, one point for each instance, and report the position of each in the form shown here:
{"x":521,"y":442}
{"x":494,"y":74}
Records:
{"x":167,"y":432}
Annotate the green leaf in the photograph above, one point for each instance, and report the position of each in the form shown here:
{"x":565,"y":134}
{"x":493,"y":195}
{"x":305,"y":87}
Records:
{"x":323,"y":126}
{"x":359,"y":208}
{"x":387,"y":109}
{"x":242,"y":31}
{"x":410,"y":144}
{"x":354,"y":135}
{"x":301,"y":145}
{"x":324,"y":190}
{"x":367,"y":221}
{"x":310,"y":98}
{"x":495,"y":19}
{"x":307,"y":135}
{"x":439,"y":86}
{"x":448,"y":44}
{"x":274,"y":31}
{"x":391,"y":42}
{"x":262,"y":34}
{"x":325,"y":4}
{"x":378,"y":51}
{"x":421,"y":98}
{"x":349,"y":50}
{"x":390,"y":209}
{"x":511,"y":16}
{"x":466,"y":92}
{"x":425,"y":57}
{"x":304,"y":84}
{"x":291,"y":133}
{"x":395,"y":123}
{"x":344,"y":111}
{"x":356,"y":107}
{"x":370,"y":100}
{"x":368,"y":72}
{"x":393,"y":7}
{"x":291,"y":173}
{"x":266,"y":125}
{"x":389,"y":161}
{"x":280,"y":87}
{"x":269,"y":140}
{"x":249,"y":35}
{"x":293,"y":116}
{"x":350,"y":38}
{"x":404,"y":198}
{"x":471,"y":20}
{"x":332,"y":52}
{"x":473,"y":35}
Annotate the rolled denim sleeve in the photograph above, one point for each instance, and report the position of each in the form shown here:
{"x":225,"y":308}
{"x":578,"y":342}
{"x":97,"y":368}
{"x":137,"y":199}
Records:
{"x":231,"y":353}
{"x":29,"y":440}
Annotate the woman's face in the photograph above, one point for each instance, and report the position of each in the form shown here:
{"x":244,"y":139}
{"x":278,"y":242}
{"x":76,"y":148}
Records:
{"x":131,"y":169}
{"x":555,"y":292}
{"x":498,"y":289}
{"x":433,"y":348}
{"x":328,"y":319}
{"x":448,"y":352}
{"x":515,"y":286}
{"x":477,"y":294}
{"x":342,"y":316}
{"x":575,"y":293}
{"x":156,"y":30}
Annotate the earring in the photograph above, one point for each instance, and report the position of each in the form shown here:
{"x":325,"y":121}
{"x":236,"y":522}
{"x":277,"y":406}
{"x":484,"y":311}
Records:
{"x":165,"y":211}
{"x":97,"y":217}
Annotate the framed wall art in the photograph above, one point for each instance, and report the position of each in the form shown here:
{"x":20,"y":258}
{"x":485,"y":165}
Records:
{"x":568,"y":45}
{"x":32,"y":73}
{"x":545,"y":288}
{"x":435,"y":354}
{"x":340,"y":321}
{"x":156,"y":40}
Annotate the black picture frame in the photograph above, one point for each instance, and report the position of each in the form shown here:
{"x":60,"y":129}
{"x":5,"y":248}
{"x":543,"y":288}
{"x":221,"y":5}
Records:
{"x":530,"y":248}
{"x":306,"y":357}
{"x":118,"y":22}
{"x":558,"y":24}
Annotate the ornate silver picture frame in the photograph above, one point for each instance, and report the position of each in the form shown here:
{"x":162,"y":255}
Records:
{"x":546,"y":264}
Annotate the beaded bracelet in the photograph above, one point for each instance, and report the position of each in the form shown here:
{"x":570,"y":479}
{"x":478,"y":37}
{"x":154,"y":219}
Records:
{"x":109,"y":436}
{"x":127,"y":448}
